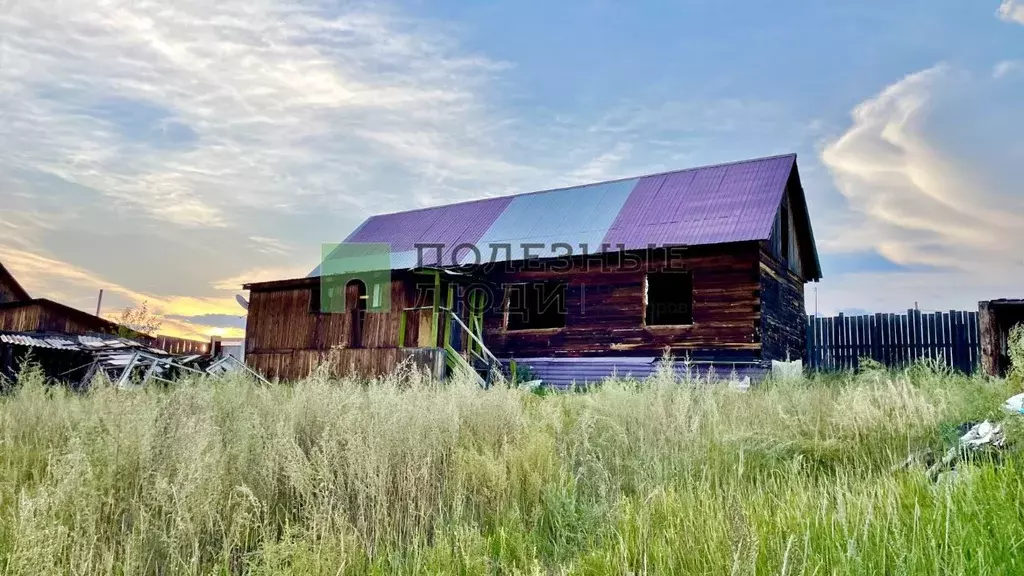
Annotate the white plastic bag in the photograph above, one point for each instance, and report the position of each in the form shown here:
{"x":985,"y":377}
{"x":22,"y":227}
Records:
{"x":982,"y":434}
{"x":1015,"y":404}
{"x":788,"y":370}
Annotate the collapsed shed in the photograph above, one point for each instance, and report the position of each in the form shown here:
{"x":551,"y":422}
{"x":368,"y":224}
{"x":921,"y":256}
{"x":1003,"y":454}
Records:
{"x":576,"y":283}
{"x":76,"y":360}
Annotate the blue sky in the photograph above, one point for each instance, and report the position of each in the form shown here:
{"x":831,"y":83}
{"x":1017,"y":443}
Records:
{"x":170,"y":152}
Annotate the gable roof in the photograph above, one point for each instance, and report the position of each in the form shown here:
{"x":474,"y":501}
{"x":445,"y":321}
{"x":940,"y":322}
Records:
{"x":7,"y":279}
{"x":717,"y":204}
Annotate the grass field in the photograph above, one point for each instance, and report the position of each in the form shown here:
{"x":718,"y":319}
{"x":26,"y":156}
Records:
{"x":409,"y":477}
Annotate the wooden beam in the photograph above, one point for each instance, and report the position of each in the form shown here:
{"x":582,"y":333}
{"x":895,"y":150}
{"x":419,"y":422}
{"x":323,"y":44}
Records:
{"x":988,"y":334}
{"x":448,"y":322}
{"x":436,"y":308}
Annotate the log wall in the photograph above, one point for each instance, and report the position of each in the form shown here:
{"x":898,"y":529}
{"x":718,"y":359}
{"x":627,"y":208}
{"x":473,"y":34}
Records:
{"x":364,"y":362}
{"x":783,"y":322}
{"x":37,"y":317}
{"x":283,"y":320}
{"x":605,"y":309}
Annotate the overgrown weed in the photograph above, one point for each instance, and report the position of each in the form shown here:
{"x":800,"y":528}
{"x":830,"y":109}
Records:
{"x":404,"y":475}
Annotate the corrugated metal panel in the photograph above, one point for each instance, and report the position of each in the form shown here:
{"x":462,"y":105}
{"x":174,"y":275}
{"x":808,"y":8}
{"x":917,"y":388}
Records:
{"x":709,"y":205}
{"x":574,"y":216}
{"x":51,"y":342}
{"x":729,"y":203}
{"x":448,"y":225}
{"x":565,"y":372}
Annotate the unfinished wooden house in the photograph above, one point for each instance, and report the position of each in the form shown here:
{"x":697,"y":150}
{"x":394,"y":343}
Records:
{"x":576,"y":283}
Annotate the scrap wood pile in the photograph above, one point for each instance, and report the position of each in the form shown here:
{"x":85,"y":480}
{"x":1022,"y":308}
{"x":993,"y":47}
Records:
{"x":125,"y":362}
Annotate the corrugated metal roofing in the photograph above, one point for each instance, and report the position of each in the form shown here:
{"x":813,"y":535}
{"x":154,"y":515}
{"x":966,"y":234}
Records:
{"x":730,"y":203}
{"x":708,"y":205}
{"x":51,"y":342}
{"x":566,"y":372}
{"x":574,"y":216}
{"x":73,"y":342}
{"x":449,"y":226}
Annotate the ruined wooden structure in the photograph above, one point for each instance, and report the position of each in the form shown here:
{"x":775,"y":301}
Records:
{"x":578,"y":283}
{"x":995,"y":320}
{"x":27,"y":321}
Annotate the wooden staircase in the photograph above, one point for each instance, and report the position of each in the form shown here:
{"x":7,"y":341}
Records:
{"x":476,"y":360}
{"x":481,"y":362}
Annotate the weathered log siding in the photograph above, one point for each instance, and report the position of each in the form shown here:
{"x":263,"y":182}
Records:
{"x":605,"y":309}
{"x":37,"y":317}
{"x":995,"y":321}
{"x":783,"y":320}
{"x":732,"y":285}
{"x":285,"y":337}
{"x":364,"y":362}
{"x":281,"y":321}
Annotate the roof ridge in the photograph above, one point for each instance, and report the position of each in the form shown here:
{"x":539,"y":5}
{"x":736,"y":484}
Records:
{"x":549,"y":190}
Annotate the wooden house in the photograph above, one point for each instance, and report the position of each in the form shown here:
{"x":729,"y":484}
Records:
{"x":576,"y":283}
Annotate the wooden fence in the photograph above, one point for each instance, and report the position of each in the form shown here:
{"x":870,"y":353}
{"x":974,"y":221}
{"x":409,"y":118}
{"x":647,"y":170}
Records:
{"x":895,"y":340}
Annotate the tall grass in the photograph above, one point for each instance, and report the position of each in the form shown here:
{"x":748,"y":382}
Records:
{"x":406,"y":476}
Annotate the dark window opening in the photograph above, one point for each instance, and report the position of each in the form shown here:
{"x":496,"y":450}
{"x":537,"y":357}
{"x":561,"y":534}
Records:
{"x":315,"y":303}
{"x":669,"y":299}
{"x":535,"y":305}
{"x":355,"y":306}
{"x":784,"y":224}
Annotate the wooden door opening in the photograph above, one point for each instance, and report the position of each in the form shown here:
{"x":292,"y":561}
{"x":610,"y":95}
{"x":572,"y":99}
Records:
{"x":355,"y":307}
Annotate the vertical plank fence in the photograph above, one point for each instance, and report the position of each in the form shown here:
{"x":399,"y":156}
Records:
{"x":895,"y":340}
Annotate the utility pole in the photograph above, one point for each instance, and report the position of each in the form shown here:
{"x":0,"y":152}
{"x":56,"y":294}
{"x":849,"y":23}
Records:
{"x":99,"y":302}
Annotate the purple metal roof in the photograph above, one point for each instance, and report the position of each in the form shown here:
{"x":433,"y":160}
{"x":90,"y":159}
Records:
{"x":728,"y":203}
{"x":449,"y":225}
{"x":708,"y":205}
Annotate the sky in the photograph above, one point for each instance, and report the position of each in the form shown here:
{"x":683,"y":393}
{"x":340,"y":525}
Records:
{"x":170,"y":151}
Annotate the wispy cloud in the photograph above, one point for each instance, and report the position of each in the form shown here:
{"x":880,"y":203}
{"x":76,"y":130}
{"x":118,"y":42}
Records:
{"x":272,"y":246}
{"x":281,"y":103}
{"x":930,"y":167}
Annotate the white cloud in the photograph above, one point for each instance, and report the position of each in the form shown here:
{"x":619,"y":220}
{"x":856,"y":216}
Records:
{"x":271,"y":246}
{"x":931,"y":169}
{"x":276,"y":103}
{"x":1012,"y":11}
